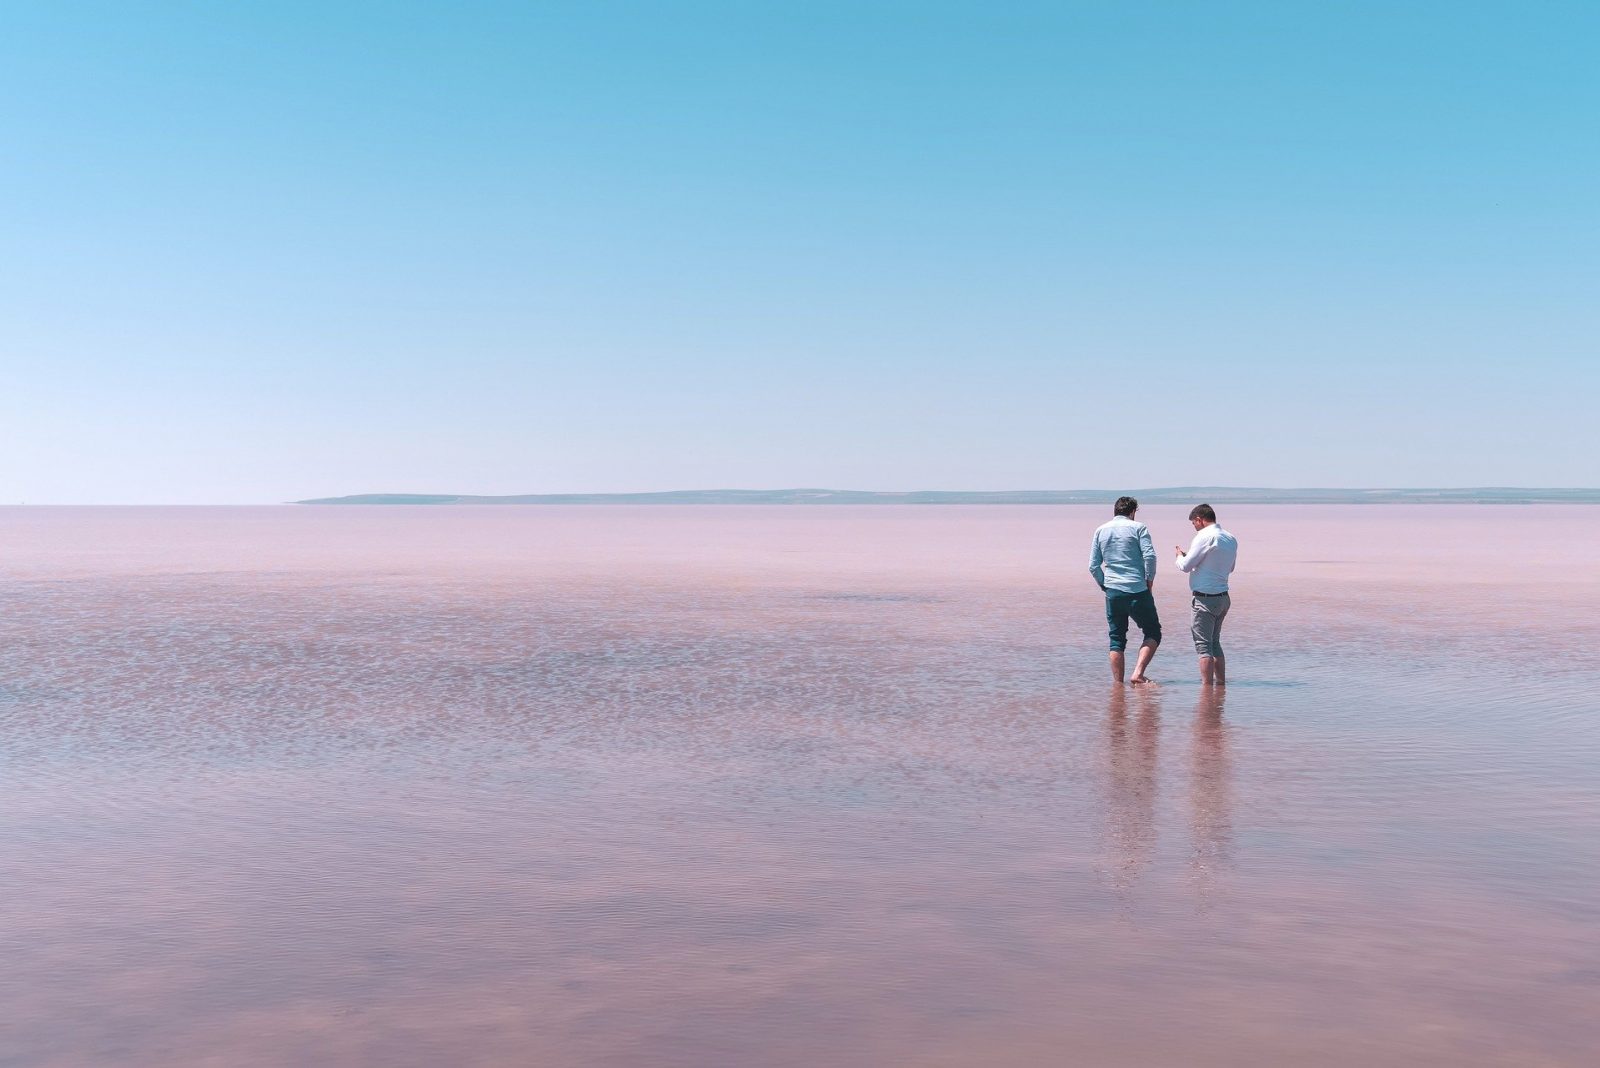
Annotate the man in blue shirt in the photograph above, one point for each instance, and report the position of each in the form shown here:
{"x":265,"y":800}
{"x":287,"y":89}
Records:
{"x":1123,"y":563}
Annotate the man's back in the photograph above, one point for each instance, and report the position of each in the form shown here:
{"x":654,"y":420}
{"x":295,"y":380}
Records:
{"x":1123,"y":556}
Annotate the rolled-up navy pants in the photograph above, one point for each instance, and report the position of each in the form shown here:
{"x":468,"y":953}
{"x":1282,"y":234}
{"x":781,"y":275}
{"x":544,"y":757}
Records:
{"x":1141,"y":608}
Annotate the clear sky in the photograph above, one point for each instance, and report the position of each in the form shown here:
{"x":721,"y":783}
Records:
{"x":258,"y":252}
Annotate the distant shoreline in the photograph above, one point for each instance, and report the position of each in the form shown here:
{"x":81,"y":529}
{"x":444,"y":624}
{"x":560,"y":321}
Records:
{"x":1170,"y":495}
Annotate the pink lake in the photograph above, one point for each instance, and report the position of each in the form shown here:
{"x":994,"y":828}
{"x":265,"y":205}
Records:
{"x":792,"y":786}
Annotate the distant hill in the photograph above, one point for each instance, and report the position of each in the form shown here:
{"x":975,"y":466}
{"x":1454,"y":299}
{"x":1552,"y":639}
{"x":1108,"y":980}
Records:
{"x":1171,"y":495}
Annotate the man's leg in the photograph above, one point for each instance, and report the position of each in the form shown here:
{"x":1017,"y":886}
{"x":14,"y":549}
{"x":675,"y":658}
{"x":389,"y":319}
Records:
{"x":1219,"y":663}
{"x":1147,"y":651}
{"x":1200,"y":631}
{"x":1207,"y":632}
{"x":1117,"y":626}
{"x":1143,"y":610}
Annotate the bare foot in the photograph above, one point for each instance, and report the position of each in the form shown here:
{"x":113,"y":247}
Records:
{"x":1138,"y":680}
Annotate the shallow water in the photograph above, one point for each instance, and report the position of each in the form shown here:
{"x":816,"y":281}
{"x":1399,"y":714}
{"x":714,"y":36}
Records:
{"x":845,"y":786}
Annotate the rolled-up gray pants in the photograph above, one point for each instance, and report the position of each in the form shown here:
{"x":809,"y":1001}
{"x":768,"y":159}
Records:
{"x":1209,"y":611}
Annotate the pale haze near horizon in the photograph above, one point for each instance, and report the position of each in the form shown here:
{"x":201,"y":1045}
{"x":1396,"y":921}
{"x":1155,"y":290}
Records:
{"x":301,"y":251}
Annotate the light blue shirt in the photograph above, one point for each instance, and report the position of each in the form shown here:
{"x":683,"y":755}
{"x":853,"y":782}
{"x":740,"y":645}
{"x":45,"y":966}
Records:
{"x":1210,"y":559}
{"x":1123,"y":558}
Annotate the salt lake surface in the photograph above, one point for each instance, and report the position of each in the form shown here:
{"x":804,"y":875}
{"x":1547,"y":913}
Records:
{"x":785,"y":786}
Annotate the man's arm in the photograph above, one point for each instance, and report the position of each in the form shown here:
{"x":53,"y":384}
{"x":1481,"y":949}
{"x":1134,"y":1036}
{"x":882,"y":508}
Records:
{"x":1097,"y":562}
{"x":1148,"y":547}
{"x":1199,"y":549}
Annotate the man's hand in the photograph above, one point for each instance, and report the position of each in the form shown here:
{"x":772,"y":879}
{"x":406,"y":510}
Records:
{"x":1181,"y":550}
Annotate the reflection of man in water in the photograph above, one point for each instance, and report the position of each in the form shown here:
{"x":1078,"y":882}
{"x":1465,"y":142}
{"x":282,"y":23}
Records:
{"x":1210,"y":790}
{"x":1208,"y":563}
{"x":1123,"y":563}
{"x":1132,"y":759}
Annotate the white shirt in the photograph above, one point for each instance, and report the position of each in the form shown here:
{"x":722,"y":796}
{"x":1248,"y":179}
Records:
{"x":1210,"y":559}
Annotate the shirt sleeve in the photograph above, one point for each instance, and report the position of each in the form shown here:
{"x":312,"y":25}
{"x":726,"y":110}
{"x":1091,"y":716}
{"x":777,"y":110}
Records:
{"x":1199,"y":549}
{"x":1148,"y":547}
{"x":1096,"y":562}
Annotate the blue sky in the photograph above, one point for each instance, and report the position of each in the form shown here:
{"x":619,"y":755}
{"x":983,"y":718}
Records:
{"x":260,"y":252}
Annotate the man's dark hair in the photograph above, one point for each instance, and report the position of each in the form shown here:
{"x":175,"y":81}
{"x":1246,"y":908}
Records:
{"x":1125,"y":506}
{"x":1203,"y":511}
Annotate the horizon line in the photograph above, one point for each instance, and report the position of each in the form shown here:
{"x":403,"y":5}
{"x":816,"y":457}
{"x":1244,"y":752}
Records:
{"x":1160,"y":494}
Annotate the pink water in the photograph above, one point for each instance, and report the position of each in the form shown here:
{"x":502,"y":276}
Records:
{"x":781,"y":786}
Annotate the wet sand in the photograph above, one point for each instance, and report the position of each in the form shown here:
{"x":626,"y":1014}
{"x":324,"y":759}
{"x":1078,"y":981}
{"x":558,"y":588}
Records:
{"x":845,"y":786}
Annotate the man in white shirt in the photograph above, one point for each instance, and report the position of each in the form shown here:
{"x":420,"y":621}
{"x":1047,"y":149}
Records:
{"x":1208,"y":563}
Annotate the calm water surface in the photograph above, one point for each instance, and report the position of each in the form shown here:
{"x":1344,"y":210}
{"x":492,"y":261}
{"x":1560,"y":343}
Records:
{"x":785,"y":786}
